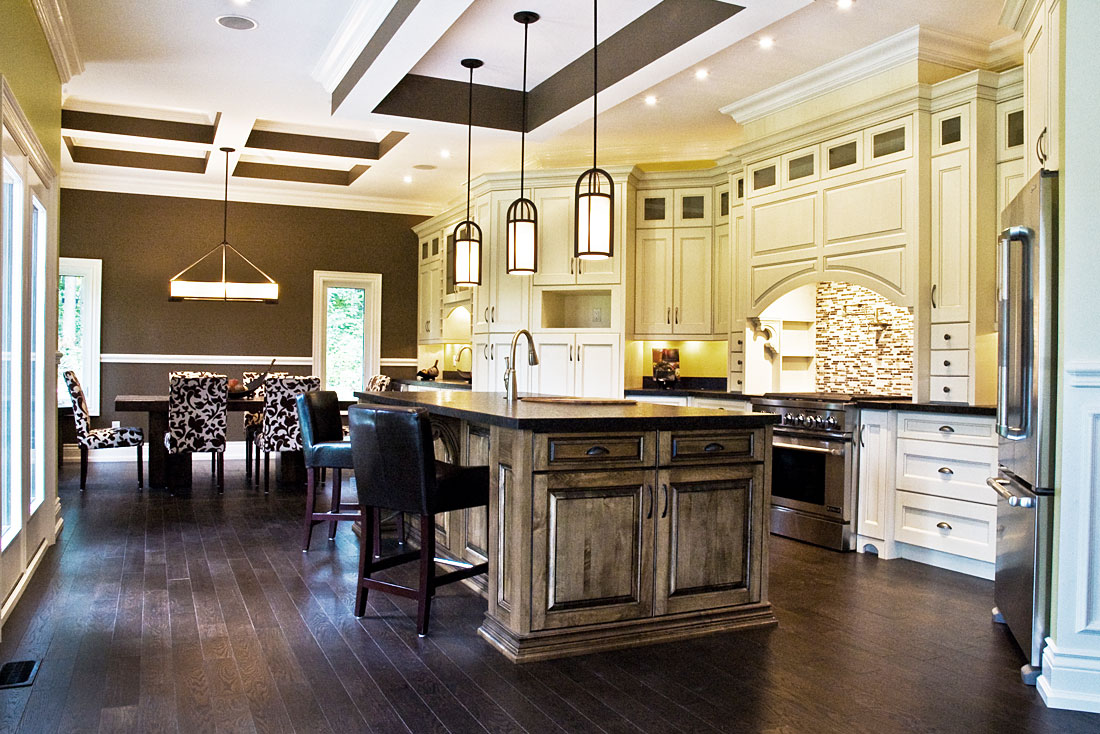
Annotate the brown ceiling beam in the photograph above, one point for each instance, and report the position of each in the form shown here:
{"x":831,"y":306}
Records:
{"x":446,"y":100}
{"x":135,"y":159}
{"x":299,"y":174}
{"x":140,"y":127}
{"x":397,"y":16}
{"x":319,"y":145}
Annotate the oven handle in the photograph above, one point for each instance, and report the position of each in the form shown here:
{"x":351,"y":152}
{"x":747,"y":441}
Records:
{"x":811,"y":449}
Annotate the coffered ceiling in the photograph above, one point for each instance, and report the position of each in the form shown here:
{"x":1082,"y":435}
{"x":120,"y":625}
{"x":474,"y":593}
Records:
{"x":362,"y":103}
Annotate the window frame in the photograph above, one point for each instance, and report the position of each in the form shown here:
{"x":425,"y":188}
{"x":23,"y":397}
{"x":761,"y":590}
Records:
{"x":372,"y":283}
{"x":91,"y":269}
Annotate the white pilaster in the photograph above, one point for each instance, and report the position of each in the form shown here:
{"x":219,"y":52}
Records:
{"x":1071,"y":663}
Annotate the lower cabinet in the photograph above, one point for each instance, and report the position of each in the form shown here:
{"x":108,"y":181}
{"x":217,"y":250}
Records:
{"x":587,"y":365}
{"x":876,"y":480}
{"x":490,"y":360}
{"x":633,"y":543}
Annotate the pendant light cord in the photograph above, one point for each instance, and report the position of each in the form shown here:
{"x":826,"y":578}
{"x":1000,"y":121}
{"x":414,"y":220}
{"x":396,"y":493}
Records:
{"x":225,"y":203}
{"x":469,"y":143}
{"x":595,"y":71}
{"x":523,"y":129}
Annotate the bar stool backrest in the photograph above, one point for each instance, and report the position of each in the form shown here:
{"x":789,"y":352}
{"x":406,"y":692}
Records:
{"x":394,"y":458}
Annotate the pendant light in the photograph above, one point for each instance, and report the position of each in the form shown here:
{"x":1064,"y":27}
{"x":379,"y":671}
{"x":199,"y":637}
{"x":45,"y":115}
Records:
{"x":467,"y":234}
{"x":594,"y":205}
{"x":522,"y":218}
{"x":191,"y":288}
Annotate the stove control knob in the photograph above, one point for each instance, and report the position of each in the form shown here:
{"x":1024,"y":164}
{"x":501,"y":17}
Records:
{"x":817,"y":421}
{"x":800,"y":420}
{"x":831,"y":422}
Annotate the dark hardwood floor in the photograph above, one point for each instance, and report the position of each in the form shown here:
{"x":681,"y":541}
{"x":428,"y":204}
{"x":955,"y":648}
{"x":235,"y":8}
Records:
{"x":201,"y":614}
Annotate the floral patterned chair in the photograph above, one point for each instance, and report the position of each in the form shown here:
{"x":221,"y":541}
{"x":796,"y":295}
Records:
{"x":197,"y":416}
{"x":99,"y":438}
{"x":253,"y":422}
{"x":280,"y":431}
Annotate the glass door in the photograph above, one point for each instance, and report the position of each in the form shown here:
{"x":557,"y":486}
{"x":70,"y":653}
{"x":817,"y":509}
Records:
{"x":346,"y":330}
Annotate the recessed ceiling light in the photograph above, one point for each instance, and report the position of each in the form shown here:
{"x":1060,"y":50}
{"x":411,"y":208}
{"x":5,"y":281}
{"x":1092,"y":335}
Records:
{"x":424,"y":167}
{"x":650,"y":100}
{"x":444,"y":153}
{"x":844,"y":4}
{"x":767,"y":42}
{"x":236,"y":22}
{"x":701,"y":73}
{"x":241,"y":3}
{"x":408,"y":179}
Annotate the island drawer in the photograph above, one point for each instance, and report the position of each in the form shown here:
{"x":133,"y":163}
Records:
{"x":710,"y":447}
{"x":596,"y":450}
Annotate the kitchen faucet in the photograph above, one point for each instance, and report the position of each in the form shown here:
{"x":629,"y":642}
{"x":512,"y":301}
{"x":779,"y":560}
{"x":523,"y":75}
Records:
{"x":510,"y":370}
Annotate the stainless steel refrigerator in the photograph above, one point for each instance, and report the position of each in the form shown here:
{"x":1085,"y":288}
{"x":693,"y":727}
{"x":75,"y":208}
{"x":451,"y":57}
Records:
{"x":1027,"y":315}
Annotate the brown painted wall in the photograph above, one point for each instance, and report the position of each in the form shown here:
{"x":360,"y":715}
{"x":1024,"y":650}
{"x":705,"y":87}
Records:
{"x":145,"y":240}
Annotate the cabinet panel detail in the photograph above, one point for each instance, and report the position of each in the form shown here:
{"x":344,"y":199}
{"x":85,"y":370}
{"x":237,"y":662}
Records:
{"x":709,"y":526}
{"x":696,"y":447}
{"x":887,"y":266}
{"x":766,"y":278}
{"x":580,"y":451}
{"x":865,"y":208}
{"x":951,"y":237}
{"x":784,"y":225}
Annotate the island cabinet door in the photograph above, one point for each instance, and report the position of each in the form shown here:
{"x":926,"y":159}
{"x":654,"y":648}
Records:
{"x":706,"y":520}
{"x":475,"y":547}
{"x":592,"y":550}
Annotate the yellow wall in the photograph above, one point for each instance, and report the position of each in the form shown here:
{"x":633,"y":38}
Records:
{"x":697,"y":359}
{"x":27,"y":65}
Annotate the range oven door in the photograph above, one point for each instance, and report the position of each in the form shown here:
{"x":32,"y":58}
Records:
{"x":811,"y":473}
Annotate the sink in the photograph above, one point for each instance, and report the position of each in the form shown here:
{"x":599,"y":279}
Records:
{"x":576,"y":401}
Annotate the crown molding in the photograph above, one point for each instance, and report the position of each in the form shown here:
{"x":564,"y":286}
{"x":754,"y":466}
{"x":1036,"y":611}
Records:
{"x":256,"y":194}
{"x":1017,"y":14}
{"x":353,"y":35}
{"x":15,"y":122}
{"x":913,"y":44}
{"x":1007,"y":52}
{"x":53,"y":16}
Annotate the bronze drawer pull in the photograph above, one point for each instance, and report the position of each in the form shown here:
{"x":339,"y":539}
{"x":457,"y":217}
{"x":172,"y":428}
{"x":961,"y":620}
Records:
{"x":947,"y":429}
{"x":714,"y":447}
{"x":664,"y":510}
{"x":649,"y":489}
{"x":597,"y":451}
{"x":943,"y":525}
{"x":945,"y":470}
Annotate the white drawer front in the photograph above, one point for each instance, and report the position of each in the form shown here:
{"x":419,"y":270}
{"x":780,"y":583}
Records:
{"x":737,"y":362}
{"x":736,"y":381}
{"x":951,"y":363}
{"x":953,"y":471}
{"x":739,"y":406}
{"x":952,"y":526}
{"x":951,"y":336}
{"x":660,"y":400}
{"x":737,"y":343}
{"x":948,"y":389}
{"x":948,"y":428}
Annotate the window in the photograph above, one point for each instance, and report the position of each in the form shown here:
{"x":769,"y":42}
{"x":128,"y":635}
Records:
{"x":347,"y":309}
{"x":79,"y":286}
{"x":39,"y":361}
{"x":11,"y":356}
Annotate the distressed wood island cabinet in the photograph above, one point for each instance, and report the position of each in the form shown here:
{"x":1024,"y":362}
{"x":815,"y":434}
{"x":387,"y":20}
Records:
{"x":608,"y":526}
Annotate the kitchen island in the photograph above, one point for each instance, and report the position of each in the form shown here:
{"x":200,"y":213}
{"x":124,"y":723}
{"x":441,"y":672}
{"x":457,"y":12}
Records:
{"x":609,"y":525}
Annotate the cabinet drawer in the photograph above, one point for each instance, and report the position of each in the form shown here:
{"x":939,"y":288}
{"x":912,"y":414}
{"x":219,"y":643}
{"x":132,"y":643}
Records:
{"x":596,"y":450}
{"x":710,"y":447}
{"x":951,"y":363}
{"x":951,"y":336}
{"x":737,"y":343}
{"x":948,"y":389}
{"x":952,"y":526}
{"x":737,"y":362}
{"x":740,"y":406}
{"x":948,"y":428}
{"x":736,"y":381}
{"x":954,"y":471}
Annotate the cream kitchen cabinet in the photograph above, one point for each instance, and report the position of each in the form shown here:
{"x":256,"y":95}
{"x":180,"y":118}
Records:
{"x":951,"y":237}
{"x":502,"y":301}
{"x":430,"y":302}
{"x":1041,"y":88}
{"x":679,"y":207}
{"x":490,"y":360}
{"x":556,"y":226}
{"x":723,"y":281}
{"x":587,"y":365}
{"x":874,"y":505}
{"x":672,"y":287}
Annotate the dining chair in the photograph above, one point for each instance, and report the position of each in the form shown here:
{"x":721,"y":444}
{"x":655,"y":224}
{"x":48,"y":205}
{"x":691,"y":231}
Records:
{"x":280,"y":431}
{"x":197,"y":405}
{"x":99,"y":438}
{"x":395,"y":469}
{"x":324,"y":447}
{"x":253,"y":422}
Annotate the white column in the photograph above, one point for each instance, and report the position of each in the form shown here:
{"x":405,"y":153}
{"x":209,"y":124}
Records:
{"x":1071,"y":663}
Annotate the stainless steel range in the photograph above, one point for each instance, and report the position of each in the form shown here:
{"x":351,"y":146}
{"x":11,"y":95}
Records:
{"x":814,"y":461}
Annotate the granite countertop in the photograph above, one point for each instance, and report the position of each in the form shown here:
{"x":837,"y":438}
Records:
{"x":438,"y":384}
{"x":689,"y":392}
{"x":869,"y":403}
{"x":493,"y":409}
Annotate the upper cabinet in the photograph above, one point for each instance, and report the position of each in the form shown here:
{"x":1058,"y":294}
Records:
{"x":672,"y":281}
{"x":1041,"y":89}
{"x":556,"y":225}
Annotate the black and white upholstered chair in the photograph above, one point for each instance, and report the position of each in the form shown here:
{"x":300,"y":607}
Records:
{"x":196,"y":417}
{"x":281,"y":431}
{"x":253,"y":421}
{"x":99,"y":438}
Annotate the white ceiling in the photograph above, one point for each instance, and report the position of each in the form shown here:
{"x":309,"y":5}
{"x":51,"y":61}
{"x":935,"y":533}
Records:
{"x":171,"y":60}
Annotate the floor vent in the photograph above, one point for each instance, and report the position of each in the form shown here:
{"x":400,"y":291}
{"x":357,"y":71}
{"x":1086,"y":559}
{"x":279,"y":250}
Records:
{"x":18,"y":673}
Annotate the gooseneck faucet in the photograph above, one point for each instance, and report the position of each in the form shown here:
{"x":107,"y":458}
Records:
{"x":510,"y":371}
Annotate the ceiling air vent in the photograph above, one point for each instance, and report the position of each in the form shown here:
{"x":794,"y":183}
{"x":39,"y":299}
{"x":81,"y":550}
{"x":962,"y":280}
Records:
{"x":236,"y":22}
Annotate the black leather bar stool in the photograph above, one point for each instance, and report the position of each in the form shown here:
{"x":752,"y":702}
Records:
{"x":395,"y":469}
{"x":324,"y":447}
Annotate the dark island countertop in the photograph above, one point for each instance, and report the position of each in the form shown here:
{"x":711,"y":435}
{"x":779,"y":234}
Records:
{"x":438,"y":384}
{"x":956,"y":408}
{"x":493,"y":409}
{"x":684,"y":393}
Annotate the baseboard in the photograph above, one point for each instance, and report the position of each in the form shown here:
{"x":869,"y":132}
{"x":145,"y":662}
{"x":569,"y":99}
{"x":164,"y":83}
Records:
{"x":21,"y":584}
{"x":950,"y":561}
{"x":1070,"y":679}
{"x":234,"y":450}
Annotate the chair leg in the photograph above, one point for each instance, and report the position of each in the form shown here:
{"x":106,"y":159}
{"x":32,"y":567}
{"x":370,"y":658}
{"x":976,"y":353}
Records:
{"x":365,"y":561}
{"x":248,"y":456}
{"x":376,"y":533}
{"x":83,"y":467}
{"x":427,"y":574}
{"x":213,"y":463}
{"x":335,"y":503}
{"x":220,"y":456}
{"x":267,"y":471}
{"x":256,"y":458}
{"x":141,"y":467}
{"x":311,"y":485}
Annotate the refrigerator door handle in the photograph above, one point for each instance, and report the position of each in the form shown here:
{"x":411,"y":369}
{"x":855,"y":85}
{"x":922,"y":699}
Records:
{"x":1014,"y":386}
{"x":997,"y":485}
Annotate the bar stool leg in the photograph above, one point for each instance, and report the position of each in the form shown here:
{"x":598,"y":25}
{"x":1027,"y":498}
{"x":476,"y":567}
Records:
{"x":311,"y":484}
{"x":427,"y":574}
{"x":335,"y":503}
{"x":141,"y":467}
{"x":267,"y":471}
{"x":365,"y":561}
{"x":247,"y":456}
{"x":83,"y":467}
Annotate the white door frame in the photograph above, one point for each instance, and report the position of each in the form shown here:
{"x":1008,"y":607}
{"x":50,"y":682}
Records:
{"x":372,"y":284}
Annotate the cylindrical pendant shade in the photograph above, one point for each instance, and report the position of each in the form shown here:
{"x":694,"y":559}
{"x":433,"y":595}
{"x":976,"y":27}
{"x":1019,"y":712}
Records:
{"x":522,"y":237}
{"x":595,"y":206}
{"x":467,"y":254}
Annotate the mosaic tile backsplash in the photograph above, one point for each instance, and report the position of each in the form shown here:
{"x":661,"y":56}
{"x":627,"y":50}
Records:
{"x":848,"y":356}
